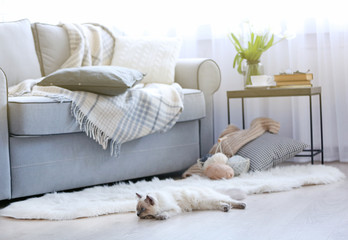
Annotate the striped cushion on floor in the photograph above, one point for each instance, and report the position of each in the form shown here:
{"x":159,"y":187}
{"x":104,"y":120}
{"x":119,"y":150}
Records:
{"x":269,"y":149}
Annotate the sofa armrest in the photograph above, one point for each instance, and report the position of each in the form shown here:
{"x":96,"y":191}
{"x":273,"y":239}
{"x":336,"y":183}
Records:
{"x":203,"y":74}
{"x":5,"y":185}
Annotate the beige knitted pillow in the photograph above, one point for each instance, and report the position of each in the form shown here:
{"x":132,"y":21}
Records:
{"x":156,"y":57}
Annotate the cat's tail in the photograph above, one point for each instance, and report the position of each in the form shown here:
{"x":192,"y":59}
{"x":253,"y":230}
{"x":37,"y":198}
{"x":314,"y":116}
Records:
{"x":234,"y":193}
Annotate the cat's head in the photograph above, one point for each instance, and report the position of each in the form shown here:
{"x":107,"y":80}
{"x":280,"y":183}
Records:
{"x":146,"y":207}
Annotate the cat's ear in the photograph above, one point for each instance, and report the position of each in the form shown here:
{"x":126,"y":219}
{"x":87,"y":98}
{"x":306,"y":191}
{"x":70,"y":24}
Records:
{"x":138,"y":195}
{"x":150,"y":200}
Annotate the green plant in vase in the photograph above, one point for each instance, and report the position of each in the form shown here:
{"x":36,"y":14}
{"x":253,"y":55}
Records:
{"x":250,"y":51}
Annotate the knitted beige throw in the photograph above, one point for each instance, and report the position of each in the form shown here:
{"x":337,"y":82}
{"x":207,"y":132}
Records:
{"x":232,"y":139}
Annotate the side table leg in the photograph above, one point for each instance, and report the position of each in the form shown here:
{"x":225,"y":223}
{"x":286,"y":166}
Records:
{"x":243,"y":118}
{"x":228,"y":111}
{"x":311,"y":128}
{"x":321,"y":131}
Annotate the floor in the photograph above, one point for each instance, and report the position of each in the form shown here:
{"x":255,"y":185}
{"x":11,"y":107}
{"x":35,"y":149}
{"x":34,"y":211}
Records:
{"x":313,"y":212}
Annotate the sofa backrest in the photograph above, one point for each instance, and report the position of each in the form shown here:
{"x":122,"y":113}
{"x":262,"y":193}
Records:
{"x":18,"y":57}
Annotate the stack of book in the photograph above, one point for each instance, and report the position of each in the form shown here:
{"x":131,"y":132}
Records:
{"x":294,"y":80}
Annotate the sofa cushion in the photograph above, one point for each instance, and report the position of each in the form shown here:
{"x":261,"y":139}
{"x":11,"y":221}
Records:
{"x":53,"y":46}
{"x":194,"y":105}
{"x":44,"y":116}
{"x":107,"y":80}
{"x":18,"y":56}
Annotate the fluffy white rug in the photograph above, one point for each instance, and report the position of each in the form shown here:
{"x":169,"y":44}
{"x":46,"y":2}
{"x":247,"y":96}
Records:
{"x":119,"y":198}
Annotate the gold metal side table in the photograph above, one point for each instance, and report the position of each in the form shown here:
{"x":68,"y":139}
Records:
{"x":284,"y":92}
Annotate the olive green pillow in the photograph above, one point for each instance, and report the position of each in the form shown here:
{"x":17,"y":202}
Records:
{"x":106,"y":80}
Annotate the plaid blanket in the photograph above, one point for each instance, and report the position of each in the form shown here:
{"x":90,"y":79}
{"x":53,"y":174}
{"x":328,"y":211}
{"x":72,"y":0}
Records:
{"x":142,"y":110}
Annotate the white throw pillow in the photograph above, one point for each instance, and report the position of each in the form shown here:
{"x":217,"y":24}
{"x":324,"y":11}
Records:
{"x":156,"y":57}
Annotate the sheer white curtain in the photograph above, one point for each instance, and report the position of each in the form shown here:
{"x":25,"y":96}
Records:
{"x":320,"y":45}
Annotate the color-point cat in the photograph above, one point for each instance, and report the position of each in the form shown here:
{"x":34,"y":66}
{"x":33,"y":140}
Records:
{"x":171,"y":201}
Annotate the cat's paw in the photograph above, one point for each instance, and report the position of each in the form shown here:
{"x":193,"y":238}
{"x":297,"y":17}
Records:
{"x":225,"y":207}
{"x":147,"y":217}
{"x":240,"y":205}
{"x":162,"y":217}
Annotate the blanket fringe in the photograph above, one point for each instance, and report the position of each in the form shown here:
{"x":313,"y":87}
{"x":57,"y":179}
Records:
{"x":115,"y":149}
{"x":94,"y":132}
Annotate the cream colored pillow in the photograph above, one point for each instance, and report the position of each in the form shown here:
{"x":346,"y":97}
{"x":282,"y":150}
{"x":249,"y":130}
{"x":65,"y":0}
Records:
{"x":156,"y":57}
{"x":54,"y":47}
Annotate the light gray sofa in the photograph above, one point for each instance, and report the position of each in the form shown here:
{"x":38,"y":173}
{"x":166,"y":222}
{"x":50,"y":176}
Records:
{"x":41,"y":147}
